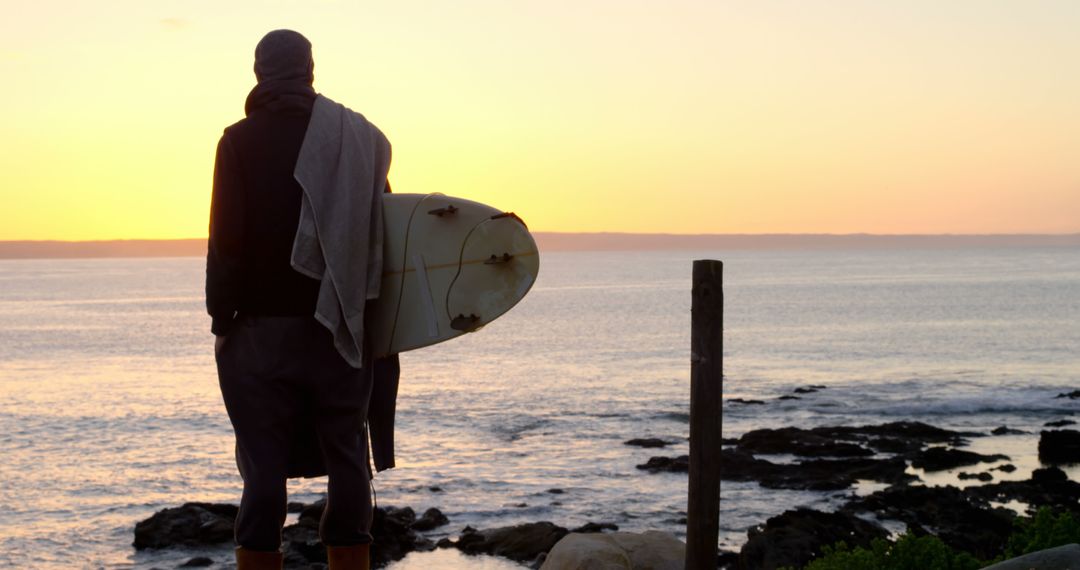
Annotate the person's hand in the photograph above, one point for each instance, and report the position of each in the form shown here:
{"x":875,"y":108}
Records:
{"x":219,"y":341}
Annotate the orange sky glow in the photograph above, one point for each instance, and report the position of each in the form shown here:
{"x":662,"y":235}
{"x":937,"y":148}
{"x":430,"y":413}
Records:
{"x":587,"y":115}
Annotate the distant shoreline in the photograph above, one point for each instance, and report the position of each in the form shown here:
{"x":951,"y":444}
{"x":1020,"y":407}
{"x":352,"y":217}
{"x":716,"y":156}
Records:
{"x":558,"y":241}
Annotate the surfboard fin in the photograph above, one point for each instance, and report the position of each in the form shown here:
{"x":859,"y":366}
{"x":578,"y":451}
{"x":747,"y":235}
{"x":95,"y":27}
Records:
{"x":497,"y":259}
{"x":463,"y":323}
{"x":445,"y":211}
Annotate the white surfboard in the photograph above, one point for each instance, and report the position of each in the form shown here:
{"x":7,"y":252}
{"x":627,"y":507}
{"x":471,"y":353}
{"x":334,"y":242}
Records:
{"x":450,"y":266}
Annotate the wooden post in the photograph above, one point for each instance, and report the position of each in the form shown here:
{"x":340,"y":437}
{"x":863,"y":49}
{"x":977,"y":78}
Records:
{"x":706,"y":414}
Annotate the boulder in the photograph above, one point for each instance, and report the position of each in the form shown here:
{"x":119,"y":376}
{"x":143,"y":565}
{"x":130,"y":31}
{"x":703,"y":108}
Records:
{"x":963,"y":476}
{"x":190,"y":524}
{"x":523,"y":542}
{"x":1006,"y":430}
{"x":1070,"y":395}
{"x":1059,"y":423}
{"x":794,"y":538}
{"x":649,"y":550}
{"x":1059,"y":446}
{"x":1065,"y":557}
{"x":744,"y":402}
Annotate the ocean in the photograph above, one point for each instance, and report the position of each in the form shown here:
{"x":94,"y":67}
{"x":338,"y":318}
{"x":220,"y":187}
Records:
{"x":110,"y":410}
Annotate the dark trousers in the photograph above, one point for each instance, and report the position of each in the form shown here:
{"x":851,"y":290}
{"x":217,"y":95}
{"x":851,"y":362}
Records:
{"x":280,"y":376}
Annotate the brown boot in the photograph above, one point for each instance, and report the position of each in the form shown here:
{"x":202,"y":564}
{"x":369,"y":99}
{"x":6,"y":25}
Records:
{"x":348,"y":557}
{"x":257,"y":559}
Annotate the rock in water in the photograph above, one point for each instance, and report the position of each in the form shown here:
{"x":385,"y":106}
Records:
{"x":680,"y":464}
{"x":1059,"y":446}
{"x":523,"y":543}
{"x":796,"y":537}
{"x":190,"y":524}
{"x":431,"y":519}
{"x":646,"y":442}
{"x":798,"y":442}
{"x":940,"y":458}
{"x":961,"y":518}
{"x":650,"y":550}
{"x":1060,"y":423}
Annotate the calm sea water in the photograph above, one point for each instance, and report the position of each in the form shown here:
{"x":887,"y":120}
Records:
{"x":109,"y":406}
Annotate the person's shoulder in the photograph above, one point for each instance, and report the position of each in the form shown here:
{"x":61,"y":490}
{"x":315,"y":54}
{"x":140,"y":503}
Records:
{"x":236,"y":128}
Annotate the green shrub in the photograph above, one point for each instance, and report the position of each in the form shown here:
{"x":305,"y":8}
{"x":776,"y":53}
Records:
{"x":1042,"y":531}
{"x":910,"y":552}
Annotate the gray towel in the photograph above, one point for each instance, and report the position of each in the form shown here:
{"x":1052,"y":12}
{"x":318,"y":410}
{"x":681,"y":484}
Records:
{"x":342,"y":168}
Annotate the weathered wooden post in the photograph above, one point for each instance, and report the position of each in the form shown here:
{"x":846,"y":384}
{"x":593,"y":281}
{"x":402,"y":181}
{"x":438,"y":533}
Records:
{"x":706,"y":415}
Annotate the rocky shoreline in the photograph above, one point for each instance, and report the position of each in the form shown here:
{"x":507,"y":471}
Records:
{"x":828,"y":458}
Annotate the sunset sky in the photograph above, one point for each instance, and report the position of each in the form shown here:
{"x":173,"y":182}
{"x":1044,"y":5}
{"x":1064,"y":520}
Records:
{"x":586,"y":115}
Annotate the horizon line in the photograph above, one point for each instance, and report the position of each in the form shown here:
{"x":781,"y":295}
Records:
{"x":583,"y":241}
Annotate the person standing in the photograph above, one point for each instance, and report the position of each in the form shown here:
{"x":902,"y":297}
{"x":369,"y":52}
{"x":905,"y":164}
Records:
{"x":287,"y":308}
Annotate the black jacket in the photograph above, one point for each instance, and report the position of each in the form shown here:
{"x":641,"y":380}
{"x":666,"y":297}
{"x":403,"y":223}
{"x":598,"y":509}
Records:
{"x":253,"y":217}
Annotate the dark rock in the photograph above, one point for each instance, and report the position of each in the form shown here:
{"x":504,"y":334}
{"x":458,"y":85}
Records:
{"x":1049,"y":475}
{"x":744,"y":402}
{"x":435,"y":489}
{"x":729,"y":441}
{"x":1059,"y":423}
{"x":198,"y":562}
{"x":962,"y":519}
{"x":393,"y":531}
{"x":806,"y":390}
{"x":431,"y":519}
{"x":798,"y":442}
{"x":941,"y":458}
{"x":646,"y":442}
{"x":444,"y":543}
{"x":191,"y":524}
{"x":294,"y":507}
{"x":796,"y":537}
{"x":592,"y":527}
{"x":1007,"y":468}
{"x":836,"y":474}
{"x":1048,"y":487}
{"x":1059,"y":446}
{"x":313,"y":512}
{"x":1006,"y":430}
{"x":302,"y":545}
{"x":680,"y":464}
{"x":1070,"y":395}
{"x":980,"y":476}
{"x":817,"y":474}
{"x":894,"y":445}
{"x":523,"y":543}
{"x":556,"y":491}
{"x":917,"y":431}
{"x":785,"y":397}
{"x":726,"y":560}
